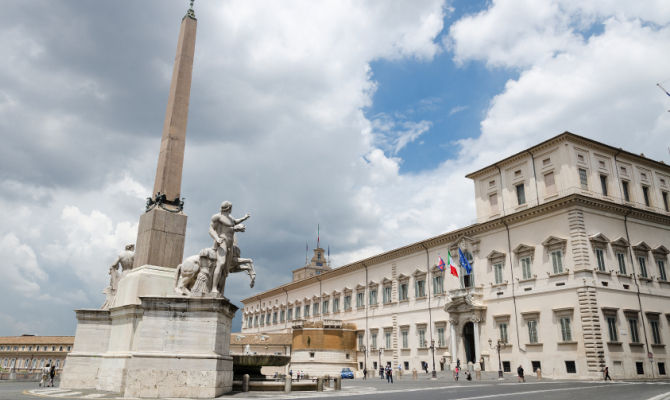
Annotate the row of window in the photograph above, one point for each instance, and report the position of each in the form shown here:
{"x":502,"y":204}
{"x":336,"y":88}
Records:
{"x":403,"y":338}
{"x":325,"y":306}
{"x":550,"y":187}
{"x":621,"y":263}
{"x":611,"y":317}
{"x":30,"y":364}
{"x":36,"y":348}
{"x":625,"y":188}
{"x":632,"y":322}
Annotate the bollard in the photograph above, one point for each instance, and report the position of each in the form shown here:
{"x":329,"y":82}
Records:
{"x":326,"y":381}
{"x":539,"y":374}
{"x":478,"y":375}
{"x":287,"y":384}
{"x":319,"y":384}
{"x":337,"y":382}
{"x":245,"y":382}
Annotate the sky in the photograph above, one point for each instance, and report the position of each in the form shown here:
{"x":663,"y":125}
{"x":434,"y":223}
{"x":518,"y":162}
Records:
{"x":360,"y":116}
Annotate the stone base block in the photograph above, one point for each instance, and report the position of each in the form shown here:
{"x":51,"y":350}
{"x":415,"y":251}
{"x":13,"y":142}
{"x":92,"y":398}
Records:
{"x":91,"y":341}
{"x":160,"y":238}
{"x":143,"y":281}
{"x":186,"y":376}
{"x":167,"y":346}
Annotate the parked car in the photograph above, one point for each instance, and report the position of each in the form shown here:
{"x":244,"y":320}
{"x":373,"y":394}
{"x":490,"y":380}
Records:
{"x":347,"y":373}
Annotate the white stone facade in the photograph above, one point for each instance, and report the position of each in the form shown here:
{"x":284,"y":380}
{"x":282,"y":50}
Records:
{"x":570,"y":259}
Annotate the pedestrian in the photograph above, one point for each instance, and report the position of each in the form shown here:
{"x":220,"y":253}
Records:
{"x":399,"y":371}
{"x":606,"y":372}
{"x":52,"y":374}
{"x":290,"y":374}
{"x":456,"y":373}
{"x":45,"y":374}
{"x":519,"y":373}
{"x":381,"y":372}
{"x":389,"y":374}
{"x":458,"y":363}
{"x":365,"y":373}
{"x":468,"y":376}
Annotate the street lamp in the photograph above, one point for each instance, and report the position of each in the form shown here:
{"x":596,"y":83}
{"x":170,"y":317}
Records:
{"x":381,"y":350}
{"x":432,"y":348}
{"x":365,"y":359}
{"x":499,"y":343}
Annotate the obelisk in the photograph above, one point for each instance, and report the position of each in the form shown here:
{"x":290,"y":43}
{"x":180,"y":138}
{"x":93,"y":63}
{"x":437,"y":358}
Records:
{"x":162,"y":228}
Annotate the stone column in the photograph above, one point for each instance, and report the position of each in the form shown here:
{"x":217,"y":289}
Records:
{"x":475,"y":324}
{"x":453,"y":323}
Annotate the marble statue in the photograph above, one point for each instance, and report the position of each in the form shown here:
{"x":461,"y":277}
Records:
{"x":193,"y":276}
{"x":222,"y":229}
{"x":110,"y":291}
{"x":125,"y":260}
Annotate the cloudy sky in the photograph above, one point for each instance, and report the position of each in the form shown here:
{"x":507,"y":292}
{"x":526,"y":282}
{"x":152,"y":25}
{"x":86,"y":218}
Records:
{"x":362,"y":117}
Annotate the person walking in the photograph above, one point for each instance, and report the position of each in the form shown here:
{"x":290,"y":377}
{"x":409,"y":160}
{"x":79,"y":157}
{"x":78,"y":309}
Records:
{"x":45,"y":374}
{"x":381,"y":372}
{"x":389,"y":374}
{"x":365,"y":373}
{"x":519,"y":373}
{"x":606,"y":373}
{"x":52,"y":374}
{"x":456,"y":373}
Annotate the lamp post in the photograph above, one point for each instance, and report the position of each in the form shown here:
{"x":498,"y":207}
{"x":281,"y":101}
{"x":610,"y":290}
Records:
{"x":432,"y":348}
{"x":365,"y":359}
{"x":381,"y":350}
{"x":499,"y":342}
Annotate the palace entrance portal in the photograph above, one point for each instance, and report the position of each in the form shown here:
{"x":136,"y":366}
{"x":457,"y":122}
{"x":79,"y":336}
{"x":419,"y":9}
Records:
{"x":469,"y":342}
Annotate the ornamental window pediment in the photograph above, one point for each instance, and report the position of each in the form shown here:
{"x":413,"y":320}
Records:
{"x":336,"y":293}
{"x":660,"y":251}
{"x":347,"y":290}
{"x":496,"y":255}
{"x":373,"y":284}
{"x":620,"y":242}
{"x":360,"y":287}
{"x":387,"y":281}
{"x":325,"y":296}
{"x":403,"y":277}
{"x":642,"y":247}
{"x":419,"y":273}
{"x":554,"y":243}
{"x":599,"y":238}
{"x":524,"y":250}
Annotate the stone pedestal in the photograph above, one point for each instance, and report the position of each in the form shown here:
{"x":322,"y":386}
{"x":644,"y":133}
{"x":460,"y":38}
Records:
{"x":160,"y":238}
{"x":151,"y":346}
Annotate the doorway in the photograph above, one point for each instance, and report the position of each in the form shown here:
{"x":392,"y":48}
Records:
{"x":469,"y":342}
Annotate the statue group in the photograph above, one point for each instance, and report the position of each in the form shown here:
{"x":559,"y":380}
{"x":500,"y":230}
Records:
{"x":205,"y":273}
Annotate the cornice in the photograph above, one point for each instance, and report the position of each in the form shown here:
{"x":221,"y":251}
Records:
{"x":577,"y":139}
{"x":573,"y":200}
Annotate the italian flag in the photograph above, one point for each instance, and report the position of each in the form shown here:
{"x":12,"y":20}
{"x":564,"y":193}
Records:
{"x":452,"y":267}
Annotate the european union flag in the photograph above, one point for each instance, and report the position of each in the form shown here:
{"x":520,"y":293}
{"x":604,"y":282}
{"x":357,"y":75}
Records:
{"x":464,"y":262}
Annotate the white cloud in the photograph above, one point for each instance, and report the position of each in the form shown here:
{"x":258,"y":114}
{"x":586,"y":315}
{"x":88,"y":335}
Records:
{"x":21,"y":273}
{"x":603,"y":88}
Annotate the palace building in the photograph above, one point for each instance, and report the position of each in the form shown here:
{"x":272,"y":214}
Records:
{"x":27,"y":354}
{"x":569,"y":257}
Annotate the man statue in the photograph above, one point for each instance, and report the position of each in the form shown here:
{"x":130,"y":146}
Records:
{"x":222,"y":229}
{"x":193,"y":275}
{"x":125,"y":259}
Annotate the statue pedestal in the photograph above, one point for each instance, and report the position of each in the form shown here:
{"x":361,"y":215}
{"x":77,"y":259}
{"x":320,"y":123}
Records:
{"x":160,"y":346}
